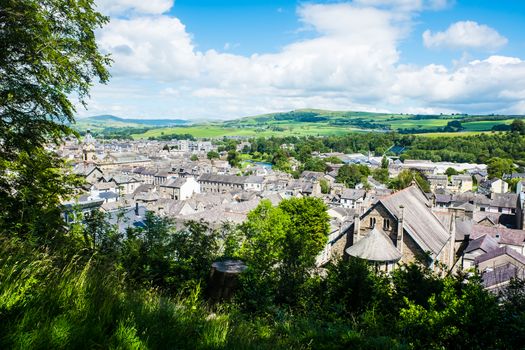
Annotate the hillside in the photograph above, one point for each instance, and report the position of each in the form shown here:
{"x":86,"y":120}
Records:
{"x":317,"y":122}
{"x":110,"y":121}
{"x":302,"y":122}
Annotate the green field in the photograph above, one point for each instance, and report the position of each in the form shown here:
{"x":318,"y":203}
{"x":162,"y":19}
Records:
{"x":218,"y":131}
{"x":424,"y":123}
{"x":484,"y":125}
{"x":305,"y":122}
{"x":453,"y":134}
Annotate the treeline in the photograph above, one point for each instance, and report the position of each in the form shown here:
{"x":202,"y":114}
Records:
{"x":475,"y":148}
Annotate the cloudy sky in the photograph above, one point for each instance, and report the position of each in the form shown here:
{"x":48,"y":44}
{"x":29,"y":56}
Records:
{"x":212,"y":59}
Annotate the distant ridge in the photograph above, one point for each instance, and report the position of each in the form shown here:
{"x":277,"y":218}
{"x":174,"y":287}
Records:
{"x":105,"y":119}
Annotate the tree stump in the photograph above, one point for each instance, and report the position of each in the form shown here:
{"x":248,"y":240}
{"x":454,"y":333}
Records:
{"x":224,"y":277}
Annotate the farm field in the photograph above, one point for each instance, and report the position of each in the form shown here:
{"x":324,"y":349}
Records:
{"x":218,"y":131}
{"x":307,"y":122}
{"x":485,"y":124}
{"x":453,"y":134}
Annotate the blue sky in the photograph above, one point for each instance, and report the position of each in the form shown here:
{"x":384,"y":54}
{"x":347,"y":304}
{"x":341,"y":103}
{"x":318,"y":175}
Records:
{"x":205,"y":59}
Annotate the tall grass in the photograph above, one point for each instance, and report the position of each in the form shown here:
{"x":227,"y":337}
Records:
{"x":82,"y":305}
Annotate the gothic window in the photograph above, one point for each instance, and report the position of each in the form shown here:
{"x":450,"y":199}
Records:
{"x":386,"y":224}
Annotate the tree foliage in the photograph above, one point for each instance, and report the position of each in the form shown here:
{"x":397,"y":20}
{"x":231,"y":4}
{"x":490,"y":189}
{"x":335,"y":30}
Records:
{"x":352,"y":174}
{"x":496,"y":167}
{"x":48,"y":55}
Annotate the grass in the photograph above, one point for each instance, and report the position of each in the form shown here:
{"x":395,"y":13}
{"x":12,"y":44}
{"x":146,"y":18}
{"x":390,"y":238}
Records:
{"x":484,"y":124}
{"x":217,"y":131}
{"x":452,"y":134}
{"x":85,"y":306}
{"x":316,"y":123}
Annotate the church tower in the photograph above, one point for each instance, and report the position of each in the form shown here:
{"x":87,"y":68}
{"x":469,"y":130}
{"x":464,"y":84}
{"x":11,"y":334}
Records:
{"x":88,"y":148}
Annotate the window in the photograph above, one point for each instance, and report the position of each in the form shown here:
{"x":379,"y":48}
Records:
{"x":386,"y":224}
{"x":372,"y":222}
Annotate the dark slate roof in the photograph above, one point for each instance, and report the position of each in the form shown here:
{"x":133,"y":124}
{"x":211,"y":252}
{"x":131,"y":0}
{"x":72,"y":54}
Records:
{"x":127,"y":218}
{"x":469,"y":197}
{"x":463,"y":225}
{"x":485,"y":243}
{"x":85,"y":169}
{"x":501,"y":274}
{"x":443,"y":198}
{"x":514,"y":176}
{"x":502,"y":234}
{"x":499,"y":252}
{"x":419,"y":221}
{"x":108,"y":195}
{"x":228,"y":179}
{"x":311,"y":175}
{"x":504,"y":200}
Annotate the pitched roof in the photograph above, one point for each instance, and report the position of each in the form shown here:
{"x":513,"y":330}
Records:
{"x":228,"y":179}
{"x":353,"y":194}
{"x":419,"y":221}
{"x":376,"y":246}
{"x":501,"y":274}
{"x":499,"y":252}
{"x":485,"y":243}
{"x":502,"y":234}
{"x":175,"y":183}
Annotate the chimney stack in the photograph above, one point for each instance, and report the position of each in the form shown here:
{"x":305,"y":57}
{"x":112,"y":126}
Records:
{"x":452,"y":241}
{"x":357,"y":227}
{"x":399,"y":244}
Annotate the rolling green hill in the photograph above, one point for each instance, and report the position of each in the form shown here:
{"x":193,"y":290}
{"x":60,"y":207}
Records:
{"x":101,"y":122}
{"x":301,"y":122}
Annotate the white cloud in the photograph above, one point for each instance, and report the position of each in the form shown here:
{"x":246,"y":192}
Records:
{"x":496,"y":83}
{"x":465,"y":35}
{"x":155,"y":47}
{"x":406,"y":5}
{"x":117,"y":7}
{"x":350,"y":62}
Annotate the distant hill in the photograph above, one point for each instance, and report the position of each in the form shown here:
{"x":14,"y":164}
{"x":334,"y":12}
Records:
{"x":301,"y":122}
{"x":111,"y":119}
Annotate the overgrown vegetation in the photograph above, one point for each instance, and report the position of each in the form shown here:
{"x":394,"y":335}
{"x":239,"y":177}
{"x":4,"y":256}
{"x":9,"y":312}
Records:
{"x":87,"y":285}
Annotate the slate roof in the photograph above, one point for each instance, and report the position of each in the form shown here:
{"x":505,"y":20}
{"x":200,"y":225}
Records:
{"x":375,"y":246}
{"x":504,"y":200}
{"x":175,"y":183}
{"x":108,"y":195}
{"x":463,"y":225}
{"x":502,"y":234}
{"x":419,"y":221}
{"x":311,"y":175}
{"x":228,"y":179}
{"x":499,"y":252}
{"x":461,"y":177}
{"x":501,"y":274}
{"x":485,"y":243}
{"x":353,"y":194}
{"x":253,"y":179}
{"x":85,"y":169}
